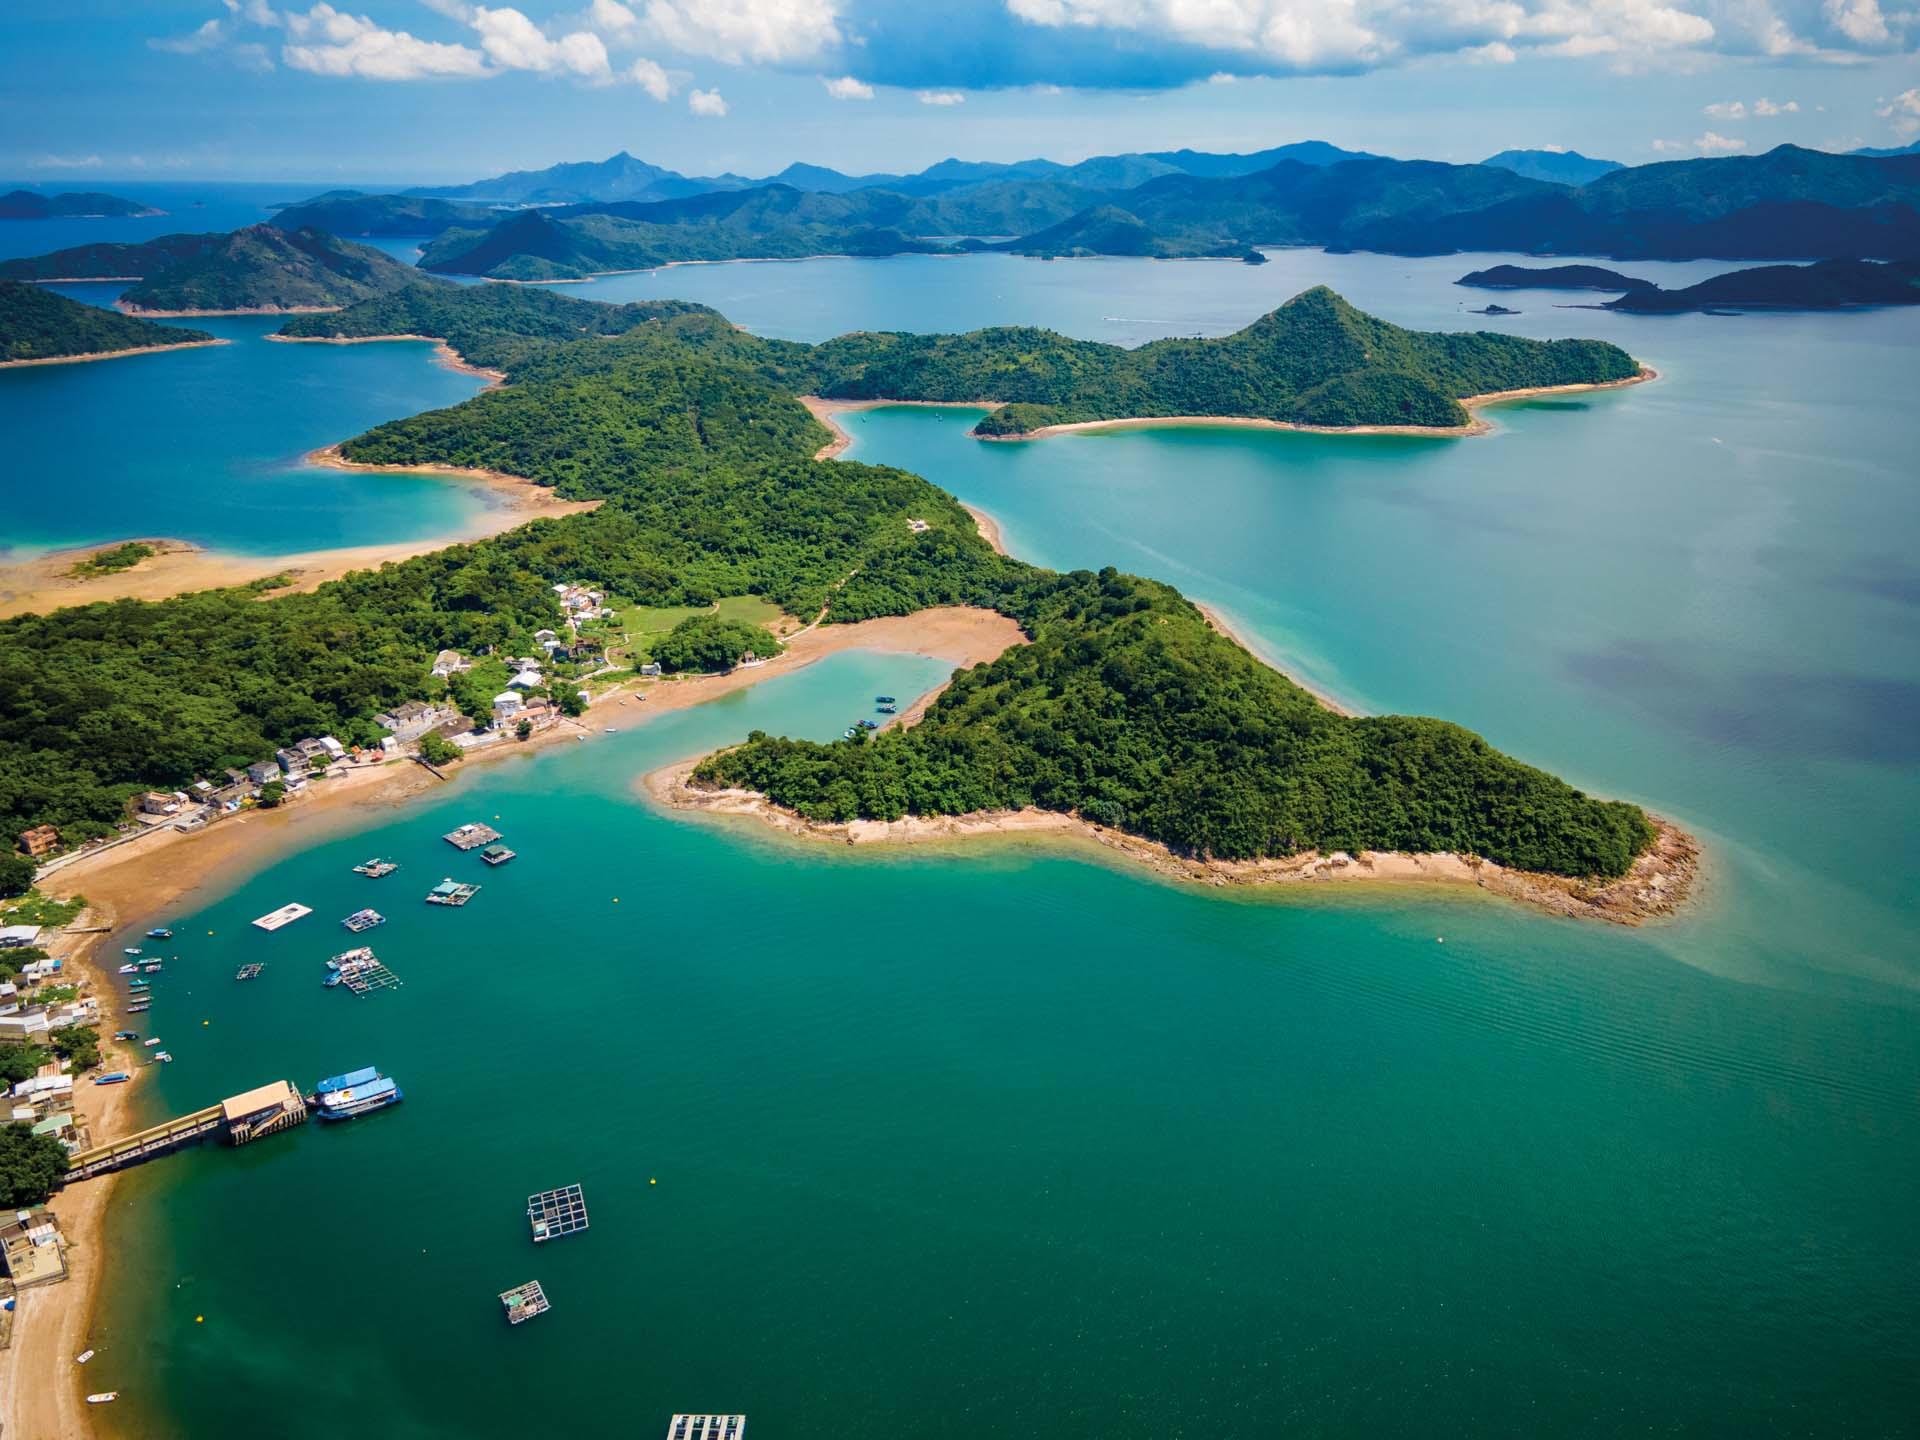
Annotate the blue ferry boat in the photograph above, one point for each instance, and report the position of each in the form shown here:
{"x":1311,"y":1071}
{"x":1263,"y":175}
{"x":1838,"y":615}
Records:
{"x":358,"y":1092}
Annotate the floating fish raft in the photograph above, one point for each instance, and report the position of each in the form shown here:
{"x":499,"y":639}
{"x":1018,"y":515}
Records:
{"x":363,"y":920}
{"x":451,"y":892}
{"x":361,"y":972}
{"x":554,"y":1213}
{"x":523,"y":1302}
{"x":249,"y":972}
{"x":471,"y":837}
{"x":496,"y":855}
{"x":376,"y":869}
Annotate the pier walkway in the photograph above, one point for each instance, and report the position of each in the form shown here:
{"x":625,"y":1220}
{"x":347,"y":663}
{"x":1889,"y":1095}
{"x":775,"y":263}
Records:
{"x":144,"y":1144}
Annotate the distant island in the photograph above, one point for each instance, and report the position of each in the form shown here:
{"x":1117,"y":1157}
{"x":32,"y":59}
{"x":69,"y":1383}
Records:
{"x":1551,"y":277}
{"x":72,"y":204}
{"x":1827,"y":285}
{"x":1787,"y":203}
{"x":40,"y":327}
{"x":1493,"y":310}
{"x":265,"y":270}
{"x":111,"y":260}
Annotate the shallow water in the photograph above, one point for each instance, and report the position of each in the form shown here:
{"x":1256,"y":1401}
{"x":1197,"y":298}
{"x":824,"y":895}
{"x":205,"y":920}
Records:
{"x":977,"y":1141}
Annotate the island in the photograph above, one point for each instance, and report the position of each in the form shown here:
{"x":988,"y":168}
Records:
{"x":110,"y":260}
{"x":263,"y":269}
{"x":1551,"y":277}
{"x":71,"y":205}
{"x":40,"y":327}
{"x":1827,"y":285}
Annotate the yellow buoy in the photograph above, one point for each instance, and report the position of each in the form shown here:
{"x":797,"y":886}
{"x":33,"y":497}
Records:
{"x":199,"y":1319}
{"x":652,"y":1181}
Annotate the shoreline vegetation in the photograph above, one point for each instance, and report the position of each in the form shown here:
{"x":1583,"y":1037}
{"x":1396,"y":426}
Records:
{"x":444,"y":355}
{"x":114,"y":354}
{"x":1657,"y":885}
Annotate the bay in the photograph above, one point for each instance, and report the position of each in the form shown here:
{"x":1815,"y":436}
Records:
{"x":970,"y":1143}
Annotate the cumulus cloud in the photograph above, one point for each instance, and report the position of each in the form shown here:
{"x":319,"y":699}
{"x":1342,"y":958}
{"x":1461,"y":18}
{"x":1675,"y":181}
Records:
{"x":1904,"y":111}
{"x":1712,"y":144}
{"x":706,"y":102}
{"x":940,"y":97}
{"x":611,"y":17}
{"x":326,"y":41}
{"x":1726,"y":110}
{"x":209,"y":36}
{"x":848,"y":88}
{"x":66,"y":162}
{"x":651,"y":78}
{"x":513,"y":42}
{"x":1766,"y":109}
{"x":739,"y":32}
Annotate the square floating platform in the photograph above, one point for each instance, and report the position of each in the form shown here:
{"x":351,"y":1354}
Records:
{"x":557,"y":1212}
{"x":707,"y":1427}
{"x":523,"y":1302}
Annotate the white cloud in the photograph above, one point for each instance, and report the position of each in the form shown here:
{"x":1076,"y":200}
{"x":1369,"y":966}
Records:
{"x":612,"y":17}
{"x":940,"y":97}
{"x":1767,"y":109}
{"x":1222,"y":77}
{"x":1494,"y":52}
{"x":66,"y":162}
{"x":326,"y":41}
{"x":738,"y":32}
{"x":254,"y":12}
{"x":651,"y":78}
{"x":1904,"y":111}
{"x":706,"y":102}
{"x":1726,"y":110}
{"x":1712,"y":144}
{"x":1323,"y":35}
{"x":198,"y":42}
{"x":1859,"y":20}
{"x":848,"y":88}
{"x":513,"y":42}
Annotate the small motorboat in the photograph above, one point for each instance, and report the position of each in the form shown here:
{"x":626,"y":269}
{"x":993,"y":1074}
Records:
{"x":105,"y":1397}
{"x":883,"y":699}
{"x":612,"y":731}
{"x":163,"y":1057}
{"x":126,"y":1034}
{"x":889,"y":709}
{"x":83,"y":1357}
{"x":159,"y":932}
{"x":129,"y":969}
{"x":152,"y":967}
{"x":152,"y":1042}
{"x":132,"y":950}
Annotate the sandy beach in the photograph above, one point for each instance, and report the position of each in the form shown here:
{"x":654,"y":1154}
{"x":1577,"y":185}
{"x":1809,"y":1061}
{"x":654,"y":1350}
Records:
{"x":1656,"y":886}
{"x":112,"y":354}
{"x":180,"y":566}
{"x":145,"y":314}
{"x":824,"y":411}
{"x":443,"y":354}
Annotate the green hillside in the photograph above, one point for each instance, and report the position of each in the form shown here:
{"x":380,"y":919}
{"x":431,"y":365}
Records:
{"x":37,"y":324}
{"x":264,"y":268}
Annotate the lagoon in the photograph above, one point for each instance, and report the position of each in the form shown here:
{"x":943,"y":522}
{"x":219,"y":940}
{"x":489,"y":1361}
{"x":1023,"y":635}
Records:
{"x":974,"y":1141}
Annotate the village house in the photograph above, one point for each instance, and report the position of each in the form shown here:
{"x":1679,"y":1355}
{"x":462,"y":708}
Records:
{"x":15,"y":935}
{"x":507,"y":705}
{"x":40,"y":840}
{"x":160,"y":802}
{"x":303,"y":756}
{"x":24,"y":1025}
{"x":413,"y":719}
{"x":450,"y":662}
{"x":651,"y":670}
{"x":44,"y":1090}
{"x":526,"y":680}
{"x":30,"y":1249}
{"x":261,"y":771}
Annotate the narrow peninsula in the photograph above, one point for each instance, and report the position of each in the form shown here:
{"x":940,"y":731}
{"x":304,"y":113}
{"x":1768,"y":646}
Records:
{"x":39,"y":327}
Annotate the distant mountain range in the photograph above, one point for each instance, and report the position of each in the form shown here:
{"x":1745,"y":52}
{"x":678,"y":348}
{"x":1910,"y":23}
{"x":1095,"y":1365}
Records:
{"x":1789,"y":203}
{"x":622,"y":177}
{"x":1562,"y":167}
{"x":1913,"y":149}
{"x":73,"y":204}
{"x":1828,"y":285}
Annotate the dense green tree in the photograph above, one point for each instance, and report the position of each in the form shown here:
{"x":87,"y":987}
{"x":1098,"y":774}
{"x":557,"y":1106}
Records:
{"x":16,"y":875}
{"x":20,"y":1062}
{"x":78,"y":1043}
{"x":436,"y":749}
{"x":709,"y":643}
{"x":30,"y":1166}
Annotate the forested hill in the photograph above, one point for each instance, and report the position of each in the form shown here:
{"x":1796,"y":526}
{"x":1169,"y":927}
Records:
{"x":1316,"y":360}
{"x":37,"y":324}
{"x":1125,"y":708}
{"x":263,"y":268}
{"x":1827,"y":285}
{"x":111,"y":260}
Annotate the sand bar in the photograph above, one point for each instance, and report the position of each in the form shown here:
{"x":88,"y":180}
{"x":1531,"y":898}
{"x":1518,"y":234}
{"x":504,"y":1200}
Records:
{"x":112,"y":354}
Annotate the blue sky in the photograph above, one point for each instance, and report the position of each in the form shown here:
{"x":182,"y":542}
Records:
{"x":432,"y":90}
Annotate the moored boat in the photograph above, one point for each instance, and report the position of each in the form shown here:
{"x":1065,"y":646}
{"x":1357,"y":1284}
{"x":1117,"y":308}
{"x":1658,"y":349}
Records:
{"x":159,"y":932}
{"x":358,"y":1092}
{"x":105,"y":1397}
{"x":163,"y":1057}
{"x":83,"y":1357}
{"x":112,"y":1077}
{"x":132,"y":950}
{"x":129,"y":969}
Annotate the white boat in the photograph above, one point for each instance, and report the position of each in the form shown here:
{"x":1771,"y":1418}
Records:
{"x":154,"y":1041}
{"x":162,"y":1057}
{"x":612,"y":731}
{"x":83,"y":1357}
{"x":105,"y":1397}
{"x":132,"y":950}
{"x":129,"y":969}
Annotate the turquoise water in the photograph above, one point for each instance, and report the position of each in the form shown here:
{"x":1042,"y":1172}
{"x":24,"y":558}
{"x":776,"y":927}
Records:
{"x":981,"y":1142}
{"x":207,"y":445}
